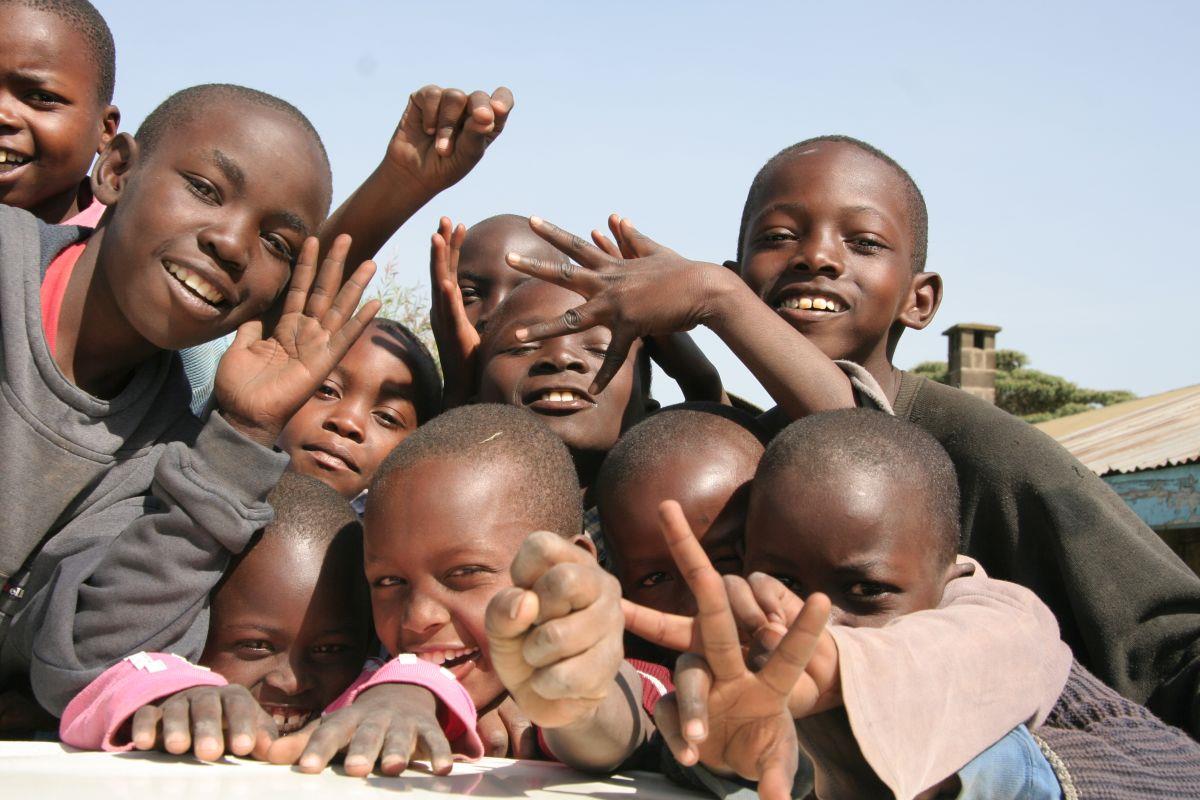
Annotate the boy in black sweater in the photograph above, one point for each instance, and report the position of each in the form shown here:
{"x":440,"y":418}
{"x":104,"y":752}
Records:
{"x":833,"y":239}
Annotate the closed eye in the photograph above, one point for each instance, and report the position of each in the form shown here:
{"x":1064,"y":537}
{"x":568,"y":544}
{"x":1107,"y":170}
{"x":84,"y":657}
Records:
{"x":279,"y":246}
{"x":203,"y":189}
{"x":866,"y":244}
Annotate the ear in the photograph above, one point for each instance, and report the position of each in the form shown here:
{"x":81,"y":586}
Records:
{"x":583,"y":541}
{"x":113,"y":169}
{"x":110,"y":121}
{"x":733,"y":267}
{"x":924,"y":297}
{"x":960,"y":569}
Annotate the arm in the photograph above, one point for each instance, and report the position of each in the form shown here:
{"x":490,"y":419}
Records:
{"x":441,"y":136}
{"x":602,"y":740}
{"x":664,"y":293}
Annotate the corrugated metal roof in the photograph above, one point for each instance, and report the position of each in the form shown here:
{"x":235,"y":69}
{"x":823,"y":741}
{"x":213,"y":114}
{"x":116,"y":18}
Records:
{"x":1148,"y":433}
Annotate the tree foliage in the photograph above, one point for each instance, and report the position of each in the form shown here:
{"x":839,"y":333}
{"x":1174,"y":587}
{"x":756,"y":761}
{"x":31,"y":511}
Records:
{"x":406,"y":303}
{"x":1033,"y":395}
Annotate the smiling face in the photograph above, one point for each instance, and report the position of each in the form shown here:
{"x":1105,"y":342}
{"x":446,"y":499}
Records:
{"x":440,"y":539}
{"x":205,"y":227}
{"x":52,"y":122}
{"x":484,"y":276}
{"x":357,"y":416}
{"x":863,"y":539}
{"x":828,"y":244}
{"x":290,"y":624}
{"x":552,"y":378}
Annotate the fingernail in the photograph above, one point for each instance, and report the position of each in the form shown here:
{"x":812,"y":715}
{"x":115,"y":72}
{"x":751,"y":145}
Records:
{"x":535,"y":220}
{"x":521,"y":333}
{"x":429,"y":131}
{"x":242,"y":742}
{"x":355,"y":761}
{"x":443,"y":144}
{"x":310,"y":761}
{"x":512,"y":258}
{"x":515,"y":610}
{"x":694,"y":729}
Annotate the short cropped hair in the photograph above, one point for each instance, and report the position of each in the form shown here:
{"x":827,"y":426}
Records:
{"x":860,"y":440}
{"x":87,"y":21}
{"x":427,"y":381}
{"x":683,"y":427}
{"x":918,"y":213}
{"x":308,"y":510}
{"x":494,"y":436}
{"x":181,"y":106}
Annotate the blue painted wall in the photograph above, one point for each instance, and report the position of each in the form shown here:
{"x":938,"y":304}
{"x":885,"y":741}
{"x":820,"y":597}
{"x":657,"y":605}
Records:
{"x":1165,"y":499}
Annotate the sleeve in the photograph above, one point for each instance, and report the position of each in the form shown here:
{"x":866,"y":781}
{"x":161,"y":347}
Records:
{"x":97,"y":718}
{"x":136,"y":575}
{"x":928,"y":692}
{"x":656,"y":682}
{"x":456,"y":710}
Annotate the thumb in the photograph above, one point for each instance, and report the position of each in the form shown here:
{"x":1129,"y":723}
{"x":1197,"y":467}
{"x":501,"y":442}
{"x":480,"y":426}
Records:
{"x":287,"y":749}
{"x":509,"y":616}
{"x":777,"y":771}
{"x":247,"y":334}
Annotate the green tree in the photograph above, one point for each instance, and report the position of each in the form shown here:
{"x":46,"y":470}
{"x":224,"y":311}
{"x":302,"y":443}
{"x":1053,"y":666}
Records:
{"x":1031,"y":394}
{"x":406,"y":303}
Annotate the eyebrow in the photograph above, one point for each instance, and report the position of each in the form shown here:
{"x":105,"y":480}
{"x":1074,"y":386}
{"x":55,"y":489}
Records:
{"x":252,"y":626}
{"x":233,"y":173}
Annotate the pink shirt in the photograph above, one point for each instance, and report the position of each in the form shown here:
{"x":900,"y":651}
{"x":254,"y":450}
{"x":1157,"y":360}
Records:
{"x":88,"y":217}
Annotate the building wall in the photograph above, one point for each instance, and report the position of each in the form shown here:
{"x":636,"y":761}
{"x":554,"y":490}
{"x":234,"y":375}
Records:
{"x":1168,"y":500}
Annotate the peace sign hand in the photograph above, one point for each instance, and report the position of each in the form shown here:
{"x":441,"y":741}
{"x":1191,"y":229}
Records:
{"x":722,"y":714}
{"x":262,"y":381}
{"x":659,"y":292}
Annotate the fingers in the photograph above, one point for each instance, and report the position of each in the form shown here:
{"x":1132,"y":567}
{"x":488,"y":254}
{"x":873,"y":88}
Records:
{"x":580,"y":318}
{"x":426,"y":101}
{"x":494,"y":734}
{"x":449,"y":120}
{"x":176,"y":732}
{"x":144,"y":733}
{"x":509,"y":615}
{"x":590,"y":616}
{"x":614,"y":358}
{"x":788,"y":662}
{"x":693,"y":682}
{"x":288,"y":749}
{"x":632,"y":241}
{"x":779,"y":603}
{"x":341,"y":341}
{"x":437,"y":748}
{"x":718,"y":629}
{"x":247,"y":334}
{"x":569,"y":244}
{"x":367,"y":742}
{"x":329,"y":278}
{"x":673,"y":631}
{"x":563,"y":273}
{"x":607,"y":245}
{"x":330,"y":735}
{"x":502,"y":106}
{"x":302,"y":277}
{"x":207,"y":739}
{"x":746,"y":610}
{"x":334,"y":316}
{"x":666,"y":720}
{"x":542,"y":551}
{"x":244,"y":718}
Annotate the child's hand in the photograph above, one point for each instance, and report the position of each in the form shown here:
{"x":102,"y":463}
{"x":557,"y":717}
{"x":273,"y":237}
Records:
{"x":456,"y":338}
{"x":677,"y":354}
{"x":444,"y":133}
{"x":555,"y":635}
{"x":391,"y":724}
{"x":657,"y":293}
{"x":203,"y":720}
{"x":724,"y":715}
{"x":506,"y":732}
{"x":261,"y":382}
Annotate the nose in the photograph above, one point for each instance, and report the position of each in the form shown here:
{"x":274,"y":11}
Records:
{"x":229,"y":240}
{"x":10,"y":120}
{"x":559,"y":355}
{"x":423,"y":616}
{"x":285,"y":677}
{"x":348,"y":420}
{"x":819,"y":252}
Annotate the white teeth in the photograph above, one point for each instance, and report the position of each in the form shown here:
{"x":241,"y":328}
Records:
{"x":806,"y":303}
{"x":440,"y":657}
{"x":559,"y":397}
{"x":9,"y":157}
{"x":197,"y":284}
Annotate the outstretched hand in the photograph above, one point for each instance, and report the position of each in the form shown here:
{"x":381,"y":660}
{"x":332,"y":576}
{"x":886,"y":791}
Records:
{"x":262,"y":381}
{"x":456,"y":338}
{"x":722,"y":714}
{"x":205,"y":720}
{"x":443,"y":134}
{"x":658,"y":292}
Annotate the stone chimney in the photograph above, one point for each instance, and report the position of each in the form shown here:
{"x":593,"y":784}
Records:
{"x":973,"y":359}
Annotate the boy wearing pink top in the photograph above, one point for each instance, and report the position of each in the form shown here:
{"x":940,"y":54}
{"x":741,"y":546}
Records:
{"x":288,"y":635}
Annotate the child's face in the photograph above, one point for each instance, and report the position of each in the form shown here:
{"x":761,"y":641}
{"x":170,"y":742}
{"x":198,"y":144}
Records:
{"x":290,"y":624}
{"x":358,"y":414}
{"x":483,"y":275}
{"x":229,"y":196}
{"x":51,"y":120}
{"x":863,"y":541}
{"x":440,"y":540}
{"x":552,"y":378}
{"x":713,"y":489}
{"x":832,"y":224}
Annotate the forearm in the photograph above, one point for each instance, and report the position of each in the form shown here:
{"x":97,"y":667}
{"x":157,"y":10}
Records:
{"x":605,"y":739}
{"x":374,"y":211}
{"x":797,"y":375}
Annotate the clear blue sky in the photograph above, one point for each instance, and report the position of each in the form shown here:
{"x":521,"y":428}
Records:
{"x":1055,"y":143}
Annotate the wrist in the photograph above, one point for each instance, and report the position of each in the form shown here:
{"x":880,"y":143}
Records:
{"x":723,"y":291}
{"x":402,"y":186}
{"x":255,"y":431}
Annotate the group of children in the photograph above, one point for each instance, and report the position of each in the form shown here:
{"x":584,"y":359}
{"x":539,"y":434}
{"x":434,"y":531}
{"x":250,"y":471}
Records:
{"x":349,"y":549}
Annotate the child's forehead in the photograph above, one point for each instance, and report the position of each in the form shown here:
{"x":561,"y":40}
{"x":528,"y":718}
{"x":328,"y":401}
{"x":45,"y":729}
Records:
{"x":833,"y":173}
{"x":42,"y":42}
{"x":489,"y":241}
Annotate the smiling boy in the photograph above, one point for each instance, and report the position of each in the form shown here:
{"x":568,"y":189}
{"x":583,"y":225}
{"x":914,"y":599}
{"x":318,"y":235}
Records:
{"x":130,"y":507}
{"x":57,"y":74}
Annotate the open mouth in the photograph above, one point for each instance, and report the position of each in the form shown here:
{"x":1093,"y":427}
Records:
{"x":458,"y":661}
{"x":195,"y":285}
{"x":10,"y":160}
{"x":289,"y":719}
{"x":558,"y":401}
{"x":810,"y":306}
